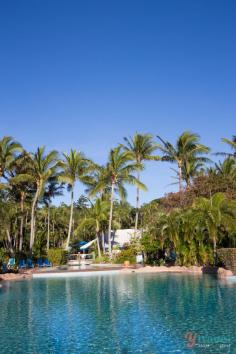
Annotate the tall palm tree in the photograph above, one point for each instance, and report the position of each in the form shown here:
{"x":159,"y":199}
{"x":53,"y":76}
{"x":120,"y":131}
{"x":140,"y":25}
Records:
{"x":117,"y":172}
{"x":52,"y":190}
{"x":74,"y":167}
{"x":8,"y":150}
{"x":186,"y":150}
{"x":95,"y":218}
{"x":214,"y":213}
{"x":42,"y":167}
{"x":21,"y":190}
{"x":141,"y":148}
{"x":7,"y":221}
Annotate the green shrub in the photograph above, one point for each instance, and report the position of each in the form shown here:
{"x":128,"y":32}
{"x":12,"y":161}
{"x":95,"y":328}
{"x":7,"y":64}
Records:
{"x":102,"y":259}
{"x":57,"y":256}
{"x":3,"y":256}
{"x":193,"y":254}
{"x":126,"y":255}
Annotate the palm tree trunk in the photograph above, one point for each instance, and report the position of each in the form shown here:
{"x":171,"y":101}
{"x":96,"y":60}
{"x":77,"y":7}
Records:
{"x":110,"y":219}
{"x":48,"y":235}
{"x":103,"y":242}
{"x":137,"y":208}
{"x":26,"y":218}
{"x":188,"y":182}
{"x":9,"y":241}
{"x":53,"y":232}
{"x":71,"y":217}
{"x":32,"y":221}
{"x":21,"y":221}
{"x":180,"y":177}
{"x":98,"y":244}
{"x":214,"y":249}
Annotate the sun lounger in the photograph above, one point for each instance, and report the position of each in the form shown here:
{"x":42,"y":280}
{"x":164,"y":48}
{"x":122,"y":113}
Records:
{"x":22,"y":264}
{"x":30,"y":263}
{"x":11,"y":263}
{"x":47,"y":263}
{"x":40,"y":263}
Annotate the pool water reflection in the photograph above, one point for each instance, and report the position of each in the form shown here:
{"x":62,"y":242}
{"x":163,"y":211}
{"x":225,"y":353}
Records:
{"x":156,"y":313}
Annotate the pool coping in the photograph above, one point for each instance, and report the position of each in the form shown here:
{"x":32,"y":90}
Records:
{"x":109,"y":269}
{"x":73,"y":274}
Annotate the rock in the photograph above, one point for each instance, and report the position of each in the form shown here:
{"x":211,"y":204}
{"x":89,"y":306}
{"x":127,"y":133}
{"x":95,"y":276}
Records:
{"x":222,"y":273}
{"x":164,"y":269}
{"x":16,"y":276}
{"x":195,"y":269}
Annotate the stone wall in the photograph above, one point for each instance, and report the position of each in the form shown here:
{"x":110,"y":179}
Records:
{"x":228,"y":257}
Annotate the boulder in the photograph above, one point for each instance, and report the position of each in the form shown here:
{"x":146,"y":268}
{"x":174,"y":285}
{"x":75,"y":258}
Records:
{"x":222,"y":273}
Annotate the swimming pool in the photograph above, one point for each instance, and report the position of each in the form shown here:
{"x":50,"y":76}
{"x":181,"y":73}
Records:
{"x":135,"y":313}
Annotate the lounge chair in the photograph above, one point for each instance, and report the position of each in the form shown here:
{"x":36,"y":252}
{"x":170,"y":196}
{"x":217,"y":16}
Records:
{"x":40,"y":263}
{"x":30,"y":263}
{"x":11,"y":263}
{"x":46,"y":263}
{"x":22,"y":264}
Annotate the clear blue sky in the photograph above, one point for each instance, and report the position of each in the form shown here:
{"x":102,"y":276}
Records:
{"x":83,"y":74}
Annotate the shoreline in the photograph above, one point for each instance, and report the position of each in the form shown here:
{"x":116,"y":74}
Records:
{"x":22,"y":275}
{"x":220,"y":272}
{"x":28,"y":274}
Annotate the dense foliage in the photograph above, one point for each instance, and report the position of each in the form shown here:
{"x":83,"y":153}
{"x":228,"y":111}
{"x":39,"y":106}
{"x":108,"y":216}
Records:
{"x":57,"y":256}
{"x":185,"y":227}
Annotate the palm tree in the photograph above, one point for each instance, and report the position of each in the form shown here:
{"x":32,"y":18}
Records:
{"x":20,"y":189}
{"x":74,"y":167}
{"x":141,"y":148}
{"x":52,"y":190}
{"x":8,"y":150}
{"x":232,"y":144}
{"x":95,"y":217}
{"x":169,"y":226}
{"x":191,"y":169}
{"x":7,"y":220}
{"x":113,"y":176}
{"x":214,"y":213}
{"x":124,"y":214}
{"x":187,"y":150}
{"x":42,"y":167}
{"x":226,"y":168}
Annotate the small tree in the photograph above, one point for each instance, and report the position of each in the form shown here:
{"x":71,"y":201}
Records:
{"x":213,"y":213}
{"x":95,"y":217}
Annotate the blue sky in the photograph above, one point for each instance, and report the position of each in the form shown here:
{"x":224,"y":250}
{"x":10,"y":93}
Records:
{"x":84,"y":74}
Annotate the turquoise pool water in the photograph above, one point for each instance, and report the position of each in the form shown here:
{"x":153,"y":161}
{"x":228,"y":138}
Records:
{"x":162,"y":313}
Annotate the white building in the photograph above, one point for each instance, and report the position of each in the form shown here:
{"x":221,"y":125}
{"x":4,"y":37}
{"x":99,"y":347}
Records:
{"x":123,"y":236}
{"x":118,"y":238}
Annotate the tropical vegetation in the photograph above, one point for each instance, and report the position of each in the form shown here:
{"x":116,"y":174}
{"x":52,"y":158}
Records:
{"x":186,"y":227}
